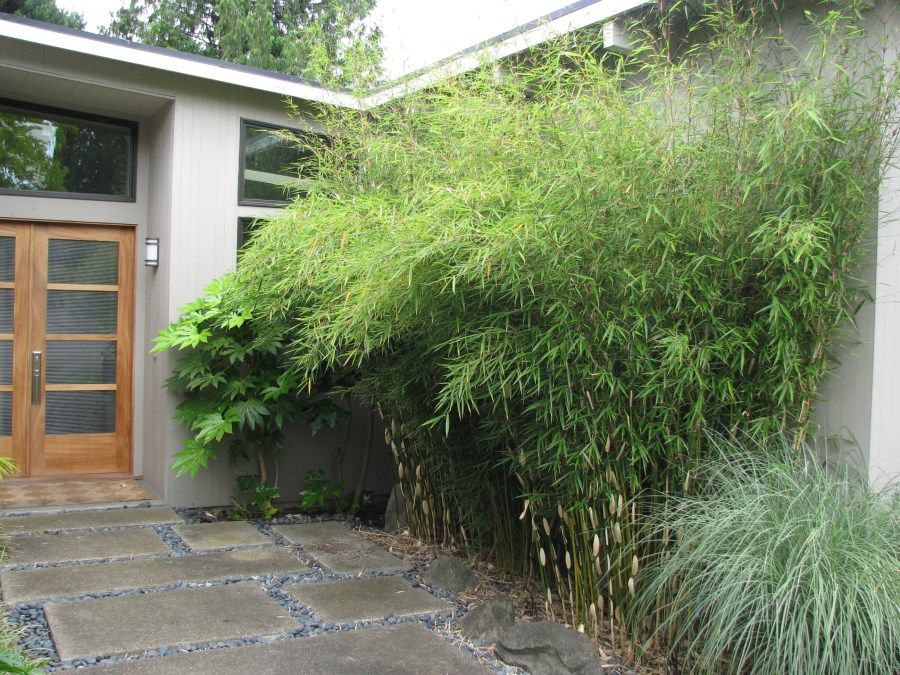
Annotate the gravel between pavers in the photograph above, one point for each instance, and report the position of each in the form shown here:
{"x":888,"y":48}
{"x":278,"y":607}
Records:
{"x":35,"y":637}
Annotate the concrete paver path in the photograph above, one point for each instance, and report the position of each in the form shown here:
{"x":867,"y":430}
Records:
{"x":185,"y":607}
{"x":367,"y":599}
{"x":57,"y":582}
{"x":340,"y":549}
{"x":81,"y":546}
{"x":407,"y":649}
{"x":86,"y":520}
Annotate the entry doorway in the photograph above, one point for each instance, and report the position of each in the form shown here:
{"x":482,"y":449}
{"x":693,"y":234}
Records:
{"x":66,"y":347}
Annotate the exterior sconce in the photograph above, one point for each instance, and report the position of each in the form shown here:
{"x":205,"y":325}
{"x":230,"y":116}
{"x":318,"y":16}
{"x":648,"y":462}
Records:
{"x":151,"y":254}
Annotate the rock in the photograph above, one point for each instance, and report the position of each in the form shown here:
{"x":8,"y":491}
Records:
{"x":548,"y":648}
{"x":395,"y":519}
{"x":485,"y":623}
{"x":451,"y":575}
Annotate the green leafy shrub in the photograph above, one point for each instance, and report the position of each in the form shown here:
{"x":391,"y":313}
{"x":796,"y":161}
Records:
{"x":552,"y":282}
{"x":320,"y":493}
{"x":237,"y":388}
{"x":776,"y":565}
{"x":260,"y":498}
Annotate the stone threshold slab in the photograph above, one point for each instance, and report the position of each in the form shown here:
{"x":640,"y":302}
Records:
{"x":136,"y":623}
{"x":211,"y":536}
{"x":341,"y":549}
{"x":366,"y":599}
{"x":55,"y":582}
{"x":84,"y":546}
{"x":85,"y":520}
{"x":407,"y":649}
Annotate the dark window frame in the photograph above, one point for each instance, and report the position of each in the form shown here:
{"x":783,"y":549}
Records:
{"x":301,"y":134}
{"x":244,"y":226}
{"x":69,"y":116}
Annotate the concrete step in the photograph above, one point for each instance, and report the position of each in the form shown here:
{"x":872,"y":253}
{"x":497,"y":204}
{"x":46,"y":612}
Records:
{"x":212,"y":536}
{"x":367,"y":599}
{"x":84,"y":546}
{"x":83,"y":520}
{"x":136,"y":623}
{"x":57,"y":582}
{"x":407,"y":649}
{"x":341,"y":549}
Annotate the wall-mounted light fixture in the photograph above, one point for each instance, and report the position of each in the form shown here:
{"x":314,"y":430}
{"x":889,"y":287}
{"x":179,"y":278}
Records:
{"x":151,"y":255}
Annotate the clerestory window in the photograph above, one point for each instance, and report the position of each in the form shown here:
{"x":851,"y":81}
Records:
{"x":277,"y":163}
{"x":49,"y":152}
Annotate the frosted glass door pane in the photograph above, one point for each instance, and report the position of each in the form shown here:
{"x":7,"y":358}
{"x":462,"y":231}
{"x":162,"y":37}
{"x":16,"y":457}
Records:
{"x":80,"y":412}
{"x":7,"y":258}
{"x":81,"y":362}
{"x":83,"y":262}
{"x":6,"y":352}
{"x":5,"y":413}
{"x":81,"y":312}
{"x":6,"y":310}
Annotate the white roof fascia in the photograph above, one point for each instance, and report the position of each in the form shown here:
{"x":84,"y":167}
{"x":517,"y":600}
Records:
{"x":251,"y":78}
{"x":603,"y":10}
{"x":205,"y":69}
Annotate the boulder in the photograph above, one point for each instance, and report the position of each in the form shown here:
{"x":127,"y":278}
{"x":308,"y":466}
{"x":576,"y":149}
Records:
{"x":395,"y":519}
{"x":450,"y":574}
{"x":548,"y":648}
{"x":485,"y":623}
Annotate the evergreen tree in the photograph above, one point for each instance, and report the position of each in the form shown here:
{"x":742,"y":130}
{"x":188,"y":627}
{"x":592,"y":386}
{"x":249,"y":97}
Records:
{"x":325,"y":41}
{"x":42,"y":10}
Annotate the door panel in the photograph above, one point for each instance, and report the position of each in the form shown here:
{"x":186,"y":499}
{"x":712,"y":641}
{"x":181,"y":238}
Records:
{"x":73,"y":310}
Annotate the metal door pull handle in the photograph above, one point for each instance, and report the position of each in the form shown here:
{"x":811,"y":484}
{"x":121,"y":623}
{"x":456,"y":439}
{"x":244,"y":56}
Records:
{"x":35,"y":377}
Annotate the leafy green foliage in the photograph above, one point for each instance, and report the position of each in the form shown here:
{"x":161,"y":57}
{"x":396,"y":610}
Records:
{"x":320,"y":493}
{"x":235,"y":385}
{"x":261,"y":498}
{"x":7,"y":467}
{"x":238,"y":390}
{"x":775,"y":552}
{"x":324,"y":41}
{"x":42,"y":10}
{"x":553,"y":282}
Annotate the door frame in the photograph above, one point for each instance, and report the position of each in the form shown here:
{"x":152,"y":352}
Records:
{"x":28,"y":454}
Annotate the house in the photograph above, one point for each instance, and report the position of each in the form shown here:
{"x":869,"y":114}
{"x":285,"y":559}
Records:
{"x":167,"y":162}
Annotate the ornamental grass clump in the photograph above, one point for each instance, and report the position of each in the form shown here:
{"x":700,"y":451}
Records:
{"x":779,"y":565}
{"x":552,"y":278}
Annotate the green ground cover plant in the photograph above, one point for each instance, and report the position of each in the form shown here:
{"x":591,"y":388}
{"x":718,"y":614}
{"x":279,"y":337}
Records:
{"x":553,"y":278}
{"x":777,"y":566}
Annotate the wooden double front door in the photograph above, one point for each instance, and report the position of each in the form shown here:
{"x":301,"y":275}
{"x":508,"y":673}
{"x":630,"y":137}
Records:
{"x":66,"y":323}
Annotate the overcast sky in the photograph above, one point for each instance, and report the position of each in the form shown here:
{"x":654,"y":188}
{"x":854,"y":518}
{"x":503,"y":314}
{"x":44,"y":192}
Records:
{"x":416,"y":32}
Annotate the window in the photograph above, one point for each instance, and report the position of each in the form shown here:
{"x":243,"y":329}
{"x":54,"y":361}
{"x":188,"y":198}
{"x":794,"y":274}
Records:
{"x":275,"y":163}
{"x":244,"y":232}
{"x":58,"y":153}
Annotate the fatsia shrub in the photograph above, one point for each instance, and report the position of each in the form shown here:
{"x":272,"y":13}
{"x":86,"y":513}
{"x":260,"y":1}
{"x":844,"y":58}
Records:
{"x":238,"y":391}
{"x":553,"y":281}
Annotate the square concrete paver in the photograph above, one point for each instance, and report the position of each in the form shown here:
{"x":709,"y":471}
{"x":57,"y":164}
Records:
{"x":81,"y":520}
{"x":366,"y":599}
{"x":57,"y":582}
{"x":407,"y":649}
{"x":130,"y":623}
{"x":72,"y":546}
{"x":341,"y":549}
{"x":210,"y":536}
